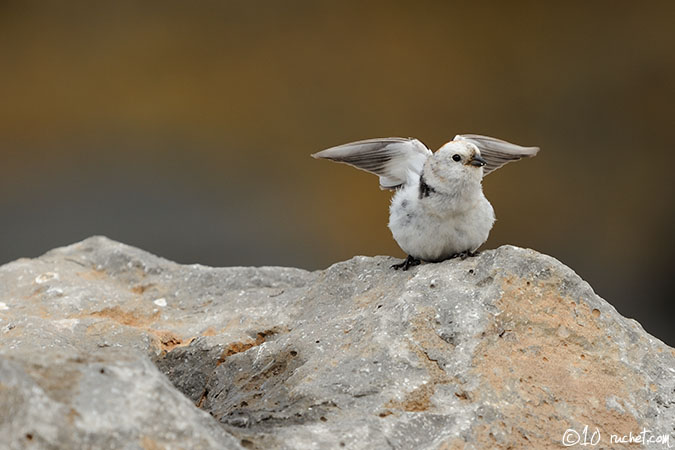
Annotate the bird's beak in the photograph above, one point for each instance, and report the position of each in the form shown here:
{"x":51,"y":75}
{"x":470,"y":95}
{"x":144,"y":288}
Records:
{"x":477,"y":161}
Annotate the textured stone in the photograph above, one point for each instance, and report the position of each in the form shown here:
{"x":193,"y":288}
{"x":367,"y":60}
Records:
{"x":105,"y":346}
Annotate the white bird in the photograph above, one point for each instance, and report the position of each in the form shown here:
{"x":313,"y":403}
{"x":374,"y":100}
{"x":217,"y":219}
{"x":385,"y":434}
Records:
{"x":439,"y":210}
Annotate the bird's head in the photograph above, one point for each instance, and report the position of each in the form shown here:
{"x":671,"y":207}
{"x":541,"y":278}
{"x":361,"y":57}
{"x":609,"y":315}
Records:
{"x":456,"y":161}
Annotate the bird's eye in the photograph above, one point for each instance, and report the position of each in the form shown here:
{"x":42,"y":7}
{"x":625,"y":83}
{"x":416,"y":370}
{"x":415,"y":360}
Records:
{"x":456,"y":157}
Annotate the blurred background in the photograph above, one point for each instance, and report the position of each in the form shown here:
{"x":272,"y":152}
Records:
{"x":185,"y":128}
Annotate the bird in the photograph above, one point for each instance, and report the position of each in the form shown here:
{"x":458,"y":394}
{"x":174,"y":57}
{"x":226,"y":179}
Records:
{"x":438,"y":210}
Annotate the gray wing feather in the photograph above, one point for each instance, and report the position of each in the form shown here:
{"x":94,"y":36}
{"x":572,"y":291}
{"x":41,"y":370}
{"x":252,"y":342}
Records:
{"x":497,"y":152}
{"x":392,"y":159}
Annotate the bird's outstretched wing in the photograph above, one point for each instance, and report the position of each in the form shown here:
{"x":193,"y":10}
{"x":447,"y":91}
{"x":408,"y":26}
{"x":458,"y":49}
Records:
{"x":395,"y":160}
{"x":497,"y":152}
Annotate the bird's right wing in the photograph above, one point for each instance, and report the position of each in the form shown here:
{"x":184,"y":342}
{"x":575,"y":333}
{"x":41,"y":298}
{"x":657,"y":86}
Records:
{"x":496,"y":151}
{"x":394,"y":159}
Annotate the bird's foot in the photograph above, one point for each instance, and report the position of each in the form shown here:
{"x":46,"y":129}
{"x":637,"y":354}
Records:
{"x":407,"y":263}
{"x":465,"y":254}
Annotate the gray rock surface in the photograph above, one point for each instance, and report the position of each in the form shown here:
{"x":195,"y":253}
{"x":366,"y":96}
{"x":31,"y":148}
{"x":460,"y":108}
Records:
{"x":105,"y":346}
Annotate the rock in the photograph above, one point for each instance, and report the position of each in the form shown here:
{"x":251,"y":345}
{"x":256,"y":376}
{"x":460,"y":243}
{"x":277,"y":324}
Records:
{"x":105,"y":346}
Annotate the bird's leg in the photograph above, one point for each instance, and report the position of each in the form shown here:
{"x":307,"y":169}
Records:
{"x":465,"y":254}
{"x":409,"y":262}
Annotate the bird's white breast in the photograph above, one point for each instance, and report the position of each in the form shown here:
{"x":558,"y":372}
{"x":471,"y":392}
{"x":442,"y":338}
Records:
{"x":436,"y":227}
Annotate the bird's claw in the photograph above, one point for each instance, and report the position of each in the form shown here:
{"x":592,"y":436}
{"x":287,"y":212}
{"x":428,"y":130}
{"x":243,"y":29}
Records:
{"x":406,"y":264}
{"x":465,"y":254}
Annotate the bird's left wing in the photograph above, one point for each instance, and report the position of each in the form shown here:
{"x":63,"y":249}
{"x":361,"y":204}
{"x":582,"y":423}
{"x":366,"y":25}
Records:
{"x":393,"y":159}
{"x":497,"y":152}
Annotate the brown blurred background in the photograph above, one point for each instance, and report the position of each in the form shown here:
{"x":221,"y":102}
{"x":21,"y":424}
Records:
{"x":185,"y":128}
